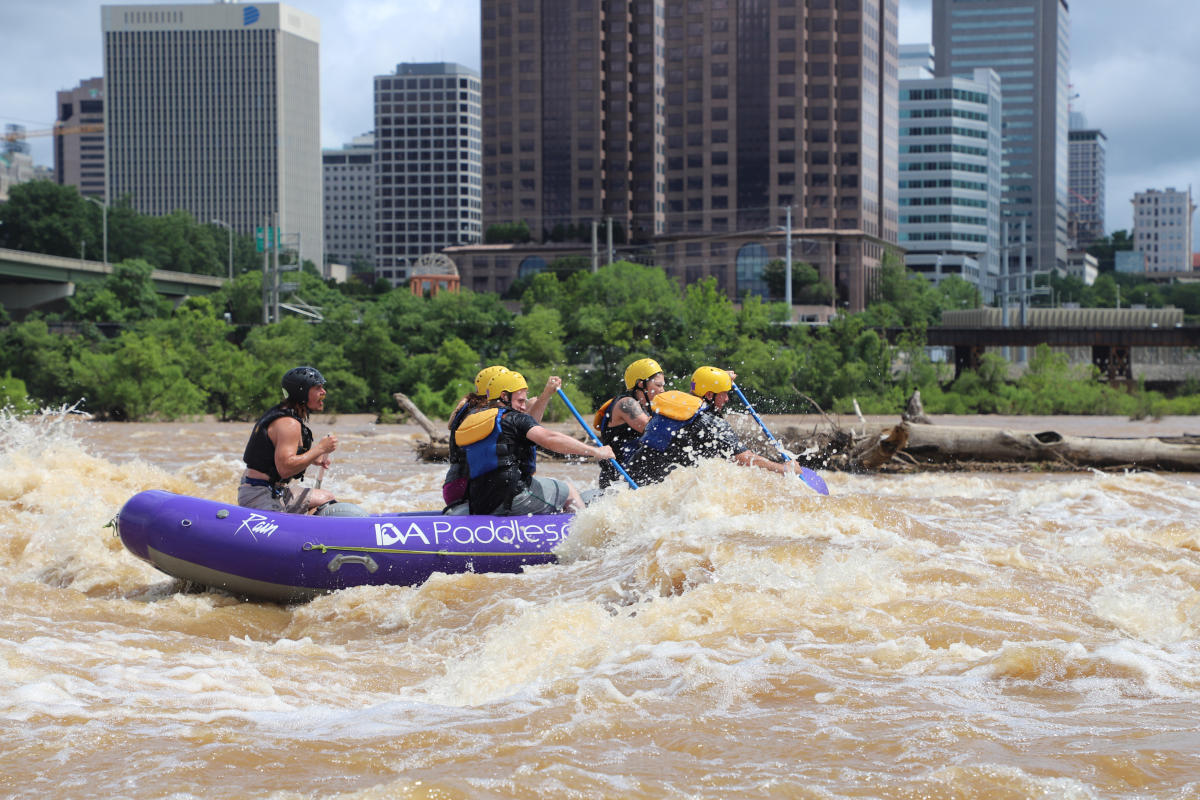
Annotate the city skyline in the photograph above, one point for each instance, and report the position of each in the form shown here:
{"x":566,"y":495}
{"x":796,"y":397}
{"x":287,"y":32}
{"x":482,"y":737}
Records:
{"x":1126,"y":88}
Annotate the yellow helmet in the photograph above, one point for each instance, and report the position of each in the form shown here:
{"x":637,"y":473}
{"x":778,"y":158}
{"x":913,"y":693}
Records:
{"x":710,"y":379}
{"x":507,"y":381}
{"x":640,"y":370}
{"x":485,"y":376}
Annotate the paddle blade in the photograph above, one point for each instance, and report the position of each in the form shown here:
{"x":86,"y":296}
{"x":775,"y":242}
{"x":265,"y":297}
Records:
{"x":814,"y":481}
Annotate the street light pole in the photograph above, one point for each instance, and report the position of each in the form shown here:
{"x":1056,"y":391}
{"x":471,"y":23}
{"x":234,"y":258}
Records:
{"x":229,"y":228}
{"x":787,"y":268}
{"x":104,"y":217}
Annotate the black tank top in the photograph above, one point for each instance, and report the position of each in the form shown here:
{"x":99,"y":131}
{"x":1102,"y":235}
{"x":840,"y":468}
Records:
{"x":260,"y":451}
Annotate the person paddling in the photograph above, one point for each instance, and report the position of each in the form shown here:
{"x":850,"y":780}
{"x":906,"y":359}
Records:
{"x":454,"y":485}
{"x":281,"y":447}
{"x":500,"y":443}
{"x":622,"y":419}
{"x":687,"y":428}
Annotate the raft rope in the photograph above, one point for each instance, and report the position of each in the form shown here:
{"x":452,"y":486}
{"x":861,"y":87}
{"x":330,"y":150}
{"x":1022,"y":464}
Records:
{"x":325,"y":548}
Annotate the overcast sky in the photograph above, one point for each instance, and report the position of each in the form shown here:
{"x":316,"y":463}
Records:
{"x":1134,"y":65}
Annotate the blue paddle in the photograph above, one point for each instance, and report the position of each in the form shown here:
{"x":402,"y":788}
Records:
{"x":595,"y":441}
{"x":814,"y":481}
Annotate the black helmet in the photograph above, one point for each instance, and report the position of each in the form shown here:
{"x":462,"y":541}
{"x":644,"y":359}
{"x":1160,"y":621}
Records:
{"x":298,"y":380}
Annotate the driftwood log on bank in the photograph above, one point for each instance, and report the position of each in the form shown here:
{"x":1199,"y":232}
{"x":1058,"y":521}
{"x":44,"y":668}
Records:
{"x":942,"y":444}
{"x":909,"y":447}
{"x":912,"y":446}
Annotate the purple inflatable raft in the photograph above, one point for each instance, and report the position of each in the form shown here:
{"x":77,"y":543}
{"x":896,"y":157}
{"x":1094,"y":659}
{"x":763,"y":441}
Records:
{"x":292,"y":557}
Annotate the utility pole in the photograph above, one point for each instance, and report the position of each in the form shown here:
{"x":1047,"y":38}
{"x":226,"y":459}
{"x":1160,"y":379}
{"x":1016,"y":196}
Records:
{"x":268,"y":234}
{"x":1024,"y":286}
{"x":595,"y":245}
{"x":275,"y":272}
{"x":610,"y":243}
{"x":1004,"y":283}
{"x":787,"y":268}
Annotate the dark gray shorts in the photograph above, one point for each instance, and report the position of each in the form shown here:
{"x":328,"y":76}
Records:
{"x":294,"y":499}
{"x":544,"y":496}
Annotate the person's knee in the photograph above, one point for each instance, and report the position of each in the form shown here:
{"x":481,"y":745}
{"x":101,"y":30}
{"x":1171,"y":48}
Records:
{"x":574,"y":500}
{"x":319,"y":497}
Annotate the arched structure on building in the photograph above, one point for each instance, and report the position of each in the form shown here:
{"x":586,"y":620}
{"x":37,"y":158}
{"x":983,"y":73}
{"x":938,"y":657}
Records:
{"x":433,"y":273}
{"x":531,"y":265}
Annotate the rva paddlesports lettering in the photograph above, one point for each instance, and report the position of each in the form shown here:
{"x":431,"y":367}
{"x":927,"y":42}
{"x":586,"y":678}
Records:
{"x":512,"y":531}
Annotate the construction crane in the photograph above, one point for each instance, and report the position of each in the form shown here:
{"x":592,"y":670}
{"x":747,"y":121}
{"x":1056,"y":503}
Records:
{"x":14,"y":133}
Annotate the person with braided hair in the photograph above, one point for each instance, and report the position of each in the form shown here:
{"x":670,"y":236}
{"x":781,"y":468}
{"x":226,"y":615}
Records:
{"x":281,"y":448}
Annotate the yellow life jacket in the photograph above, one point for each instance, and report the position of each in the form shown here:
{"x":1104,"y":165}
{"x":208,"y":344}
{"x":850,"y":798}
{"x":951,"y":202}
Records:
{"x":598,"y":419}
{"x":476,"y":427}
{"x":676,"y":405}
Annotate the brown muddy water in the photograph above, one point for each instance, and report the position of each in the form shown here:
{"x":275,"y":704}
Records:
{"x":727,"y":634}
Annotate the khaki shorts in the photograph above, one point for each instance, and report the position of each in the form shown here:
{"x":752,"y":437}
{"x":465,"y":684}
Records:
{"x":292,"y":499}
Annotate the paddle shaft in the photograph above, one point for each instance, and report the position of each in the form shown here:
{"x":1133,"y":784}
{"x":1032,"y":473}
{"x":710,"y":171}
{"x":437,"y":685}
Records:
{"x":760,"y":422}
{"x":810,"y":479}
{"x":595,"y":440}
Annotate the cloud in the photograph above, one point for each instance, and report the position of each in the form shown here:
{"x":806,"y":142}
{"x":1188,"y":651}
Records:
{"x":361,"y":39}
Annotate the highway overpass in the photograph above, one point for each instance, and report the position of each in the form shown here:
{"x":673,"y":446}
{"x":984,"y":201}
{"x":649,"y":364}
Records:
{"x":29,"y":280}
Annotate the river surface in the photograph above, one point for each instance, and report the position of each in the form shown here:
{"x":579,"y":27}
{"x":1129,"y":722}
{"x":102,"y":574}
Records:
{"x":726,"y":634}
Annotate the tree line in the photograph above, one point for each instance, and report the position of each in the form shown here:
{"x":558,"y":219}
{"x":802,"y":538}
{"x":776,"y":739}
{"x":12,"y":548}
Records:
{"x":128,"y":354}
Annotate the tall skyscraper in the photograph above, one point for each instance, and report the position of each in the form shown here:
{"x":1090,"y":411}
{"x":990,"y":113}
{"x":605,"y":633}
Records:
{"x":215,"y":109}
{"x":950,"y":146}
{"x":349,"y":177}
{"x":427,"y":167}
{"x":1087,"y":181}
{"x":1162,"y":230}
{"x":710,"y":118}
{"x":79,"y":138}
{"x":1027,"y":42}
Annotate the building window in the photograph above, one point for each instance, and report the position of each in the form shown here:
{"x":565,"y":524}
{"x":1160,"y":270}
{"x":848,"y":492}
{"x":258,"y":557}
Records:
{"x":751,"y":263}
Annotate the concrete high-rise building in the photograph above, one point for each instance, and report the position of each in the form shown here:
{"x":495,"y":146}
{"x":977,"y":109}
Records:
{"x":950,"y":168}
{"x":79,"y":138}
{"x":1162,"y":230}
{"x":428,"y":170}
{"x":215,"y":109}
{"x":682,"y":119}
{"x":349,"y":178}
{"x":1027,"y":42}
{"x":1087,"y":181}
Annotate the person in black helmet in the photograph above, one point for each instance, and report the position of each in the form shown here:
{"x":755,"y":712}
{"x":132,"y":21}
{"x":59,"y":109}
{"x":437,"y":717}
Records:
{"x":281,"y":448}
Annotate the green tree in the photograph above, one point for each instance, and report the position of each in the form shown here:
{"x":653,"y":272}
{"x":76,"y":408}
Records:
{"x":507,"y":232}
{"x":804,"y":275}
{"x":143,"y":379}
{"x":43,"y":217}
{"x":1105,"y":249}
{"x":904,"y":298}
{"x":126,"y":295}
{"x":538,"y":338}
{"x":229,"y":377}
{"x":42,"y":359}
{"x":13,"y":396}
{"x":959,"y":294}
{"x":176,"y":242}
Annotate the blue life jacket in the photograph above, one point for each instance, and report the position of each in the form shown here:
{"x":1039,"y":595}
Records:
{"x":660,"y":431}
{"x":480,"y":440}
